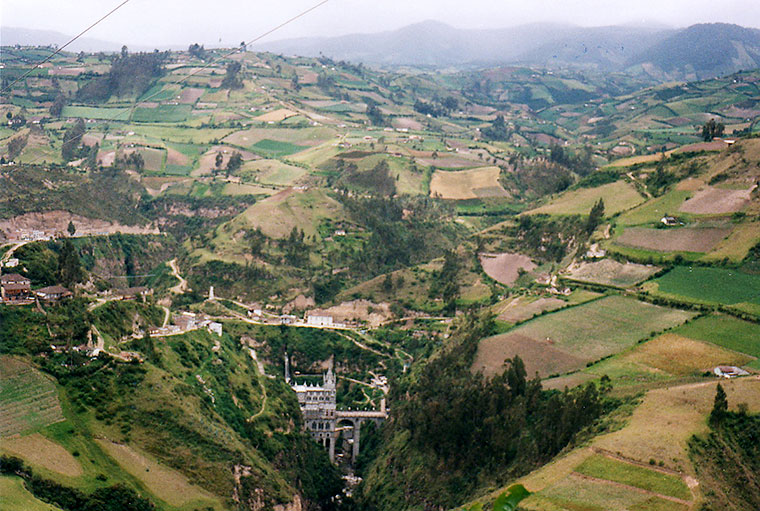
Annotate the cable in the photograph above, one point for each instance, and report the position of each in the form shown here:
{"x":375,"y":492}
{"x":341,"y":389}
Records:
{"x":131,"y":109}
{"x":56,"y":52}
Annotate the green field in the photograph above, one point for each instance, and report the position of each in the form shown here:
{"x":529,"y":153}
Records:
{"x":633,"y":475}
{"x":726,"y":331}
{"x":275,"y":148}
{"x":91,"y":112}
{"x":163,"y":113}
{"x":653,"y":210}
{"x":710,"y":285}
{"x":28,"y":400}
{"x":15,"y":497}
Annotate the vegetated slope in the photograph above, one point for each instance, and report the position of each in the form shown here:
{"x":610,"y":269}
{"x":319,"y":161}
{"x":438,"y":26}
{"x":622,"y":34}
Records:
{"x":705,"y":50}
{"x":453,"y":432}
{"x":727,"y":461}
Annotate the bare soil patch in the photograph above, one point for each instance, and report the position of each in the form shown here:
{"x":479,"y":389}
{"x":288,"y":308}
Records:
{"x":522,"y":311}
{"x":174,"y":157}
{"x":685,"y":239}
{"x":539,"y":356}
{"x":505,"y":268}
{"x":406,"y":123}
{"x":609,"y":272}
{"x":716,"y":201}
{"x":191,"y":95}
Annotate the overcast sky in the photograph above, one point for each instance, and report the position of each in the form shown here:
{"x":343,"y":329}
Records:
{"x":180,"y":22}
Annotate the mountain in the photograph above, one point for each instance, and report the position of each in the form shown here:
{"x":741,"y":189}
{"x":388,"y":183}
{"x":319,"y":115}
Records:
{"x":704,"y":51}
{"x":696,"y":52}
{"x":11,"y":36}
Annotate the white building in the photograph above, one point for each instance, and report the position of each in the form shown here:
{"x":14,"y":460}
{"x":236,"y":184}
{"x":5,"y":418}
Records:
{"x":319,"y":319}
{"x":215,"y":328}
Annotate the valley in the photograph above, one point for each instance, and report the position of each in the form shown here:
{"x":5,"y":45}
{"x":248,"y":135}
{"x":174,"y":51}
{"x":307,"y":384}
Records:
{"x":538,"y":276}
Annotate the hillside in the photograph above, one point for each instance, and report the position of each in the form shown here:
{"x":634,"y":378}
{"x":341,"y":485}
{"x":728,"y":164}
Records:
{"x":525,"y":274}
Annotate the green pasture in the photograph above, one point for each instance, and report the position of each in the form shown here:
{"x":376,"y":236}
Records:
{"x":710,"y":285}
{"x":163,"y":113}
{"x":92,"y":112}
{"x":731,"y":333}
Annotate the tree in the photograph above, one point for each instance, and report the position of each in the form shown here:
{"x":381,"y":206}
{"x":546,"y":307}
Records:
{"x":720,"y":405}
{"x":218,"y":160}
{"x":196,"y":50}
{"x":234,"y":163}
{"x":124,"y":51}
{"x":71,"y":228}
{"x":72,"y":139}
{"x":57,"y":107}
{"x":595,"y":217}
{"x":711,"y":129}
{"x":231,"y":79}
{"x":69,"y":266}
{"x":16,"y":145}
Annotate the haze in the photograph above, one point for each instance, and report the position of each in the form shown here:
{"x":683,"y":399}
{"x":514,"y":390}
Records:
{"x":227,"y":22}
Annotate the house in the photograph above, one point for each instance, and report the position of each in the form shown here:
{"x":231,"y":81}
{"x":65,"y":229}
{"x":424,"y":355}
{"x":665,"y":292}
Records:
{"x":14,"y":287}
{"x":318,"y":318}
{"x":52,"y":293}
{"x":729,"y":371}
{"x":669,"y":221}
{"x":133,"y":293}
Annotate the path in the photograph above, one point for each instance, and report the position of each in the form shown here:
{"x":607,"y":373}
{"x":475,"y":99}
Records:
{"x":261,"y":383}
{"x":7,"y":256}
{"x":182,"y":286}
{"x":166,"y":316}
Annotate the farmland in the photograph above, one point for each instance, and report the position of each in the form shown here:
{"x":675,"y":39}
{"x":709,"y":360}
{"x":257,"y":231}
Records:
{"x":467,"y":184}
{"x":710,"y":285}
{"x":568,"y":339}
{"x":734,"y":334}
{"x":684,"y":239}
{"x":505,"y":268}
{"x":618,"y":196}
{"x":28,"y":400}
{"x":609,"y":272}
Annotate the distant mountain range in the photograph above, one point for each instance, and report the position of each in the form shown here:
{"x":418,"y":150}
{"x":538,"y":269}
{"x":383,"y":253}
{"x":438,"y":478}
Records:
{"x":697,"y":52}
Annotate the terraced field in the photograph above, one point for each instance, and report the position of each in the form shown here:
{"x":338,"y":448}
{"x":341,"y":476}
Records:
{"x":28,"y":400}
{"x":609,"y":272}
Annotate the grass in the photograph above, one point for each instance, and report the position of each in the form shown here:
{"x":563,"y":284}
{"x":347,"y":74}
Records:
{"x":166,"y":484}
{"x":91,"y":112}
{"x":618,"y":196}
{"x":28,"y":400}
{"x":727,"y":332}
{"x":710,"y":285}
{"x":736,"y":246}
{"x":275,"y":172}
{"x":15,"y":497}
{"x":163,"y":113}
{"x":633,"y":475}
{"x":275,"y":148}
{"x":653,"y":210}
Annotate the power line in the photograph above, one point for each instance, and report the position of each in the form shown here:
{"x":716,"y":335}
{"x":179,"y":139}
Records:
{"x":59,"y":50}
{"x":212,"y":62}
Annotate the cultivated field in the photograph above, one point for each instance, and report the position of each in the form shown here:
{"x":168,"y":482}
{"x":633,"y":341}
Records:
{"x":716,"y":201}
{"x":38,"y":451}
{"x":165,"y":483}
{"x":505,"y":268}
{"x":276,"y":115}
{"x":28,"y":400}
{"x":522,"y":309}
{"x":276,"y":173}
{"x":734,"y":334}
{"x":681,"y":356}
{"x":609,"y":272}
{"x":617,"y":197}
{"x":568,"y":339}
{"x":467,"y":184}
{"x":684,"y":239}
{"x":709,"y":285}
